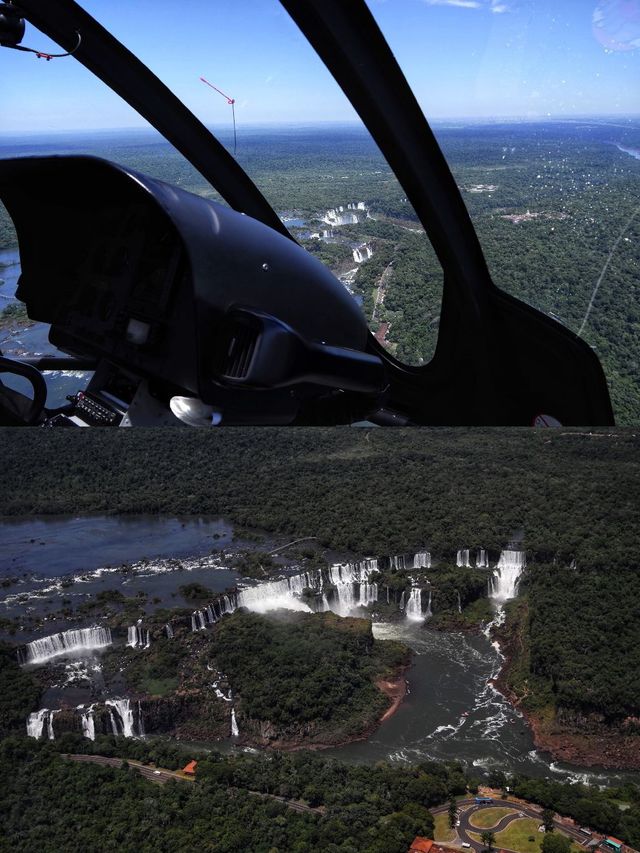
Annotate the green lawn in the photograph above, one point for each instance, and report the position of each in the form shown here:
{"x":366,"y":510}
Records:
{"x":486,"y":818}
{"x":442,"y":831}
{"x":516,"y":836}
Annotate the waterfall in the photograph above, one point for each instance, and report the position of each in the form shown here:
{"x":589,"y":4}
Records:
{"x":35,"y":722}
{"x":140,"y":721}
{"x":198,"y":620}
{"x":388,"y":595}
{"x":462,"y":558}
{"x":459,"y":603}
{"x":401,"y":605}
{"x":88,"y":723}
{"x":121,"y":712}
{"x":414,"y":605}
{"x":429,"y":612}
{"x":234,"y":725}
{"x":86,"y":639}
{"x":114,"y":727}
{"x":169,"y":631}
{"x":362,"y":253}
{"x":482,"y":561}
{"x":503,"y":584}
{"x":138,"y":637}
{"x":422,"y":560}
{"x":397,"y":562}
{"x":368,"y":594}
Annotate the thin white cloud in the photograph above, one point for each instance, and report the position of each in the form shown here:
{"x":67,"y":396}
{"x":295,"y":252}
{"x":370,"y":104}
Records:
{"x":495,"y":6}
{"x":463,"y":4}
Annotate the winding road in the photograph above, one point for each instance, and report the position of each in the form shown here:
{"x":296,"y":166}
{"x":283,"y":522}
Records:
{"x":161,"y":776}
{"x":467,"y":808}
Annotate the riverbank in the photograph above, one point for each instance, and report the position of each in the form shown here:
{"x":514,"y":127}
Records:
{"x":599,"y":747}
{"x":395,"y":687}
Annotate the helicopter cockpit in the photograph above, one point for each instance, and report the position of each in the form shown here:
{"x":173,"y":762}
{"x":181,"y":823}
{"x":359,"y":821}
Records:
{"x":187,"y":311}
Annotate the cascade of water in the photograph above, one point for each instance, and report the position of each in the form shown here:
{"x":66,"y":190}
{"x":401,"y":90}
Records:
{"x":429,"y":613}
{"x":121,"y":709}
{"x":503,"y":584}
{"x":42,"y":650}
{"x":277,"y":594}
{"x":482,"y":561}
{"x":50,"y":724}
{"x":414,"y":605}
{"x":198,"y":620}
{"x":388,"y":595}
{"x":112,"y":719}
{"x":459,"y":602}
{"x":462,"y":558}
{"x":35,"y":723}
{"x":422,"y":560}
{"x":137,"y":636}
{"x":169,"y":631}
{"x":234,"y":725}
{"x":140,"y":721}
{"x":401,"y":605}
{"x":368,"y":594}
{"x":88,"y":723}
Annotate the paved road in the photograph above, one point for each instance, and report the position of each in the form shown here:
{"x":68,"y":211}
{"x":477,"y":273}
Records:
{"x":471,"y":807}
{"x":161,"y":776}
{"x":153,"y":774}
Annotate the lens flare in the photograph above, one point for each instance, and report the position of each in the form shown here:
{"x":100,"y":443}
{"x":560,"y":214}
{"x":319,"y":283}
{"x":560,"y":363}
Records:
{"x":616,"y":24}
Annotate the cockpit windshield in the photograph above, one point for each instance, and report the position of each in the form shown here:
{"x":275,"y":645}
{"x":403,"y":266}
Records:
{"x":536,"y":106}
{"x":534,"y":103}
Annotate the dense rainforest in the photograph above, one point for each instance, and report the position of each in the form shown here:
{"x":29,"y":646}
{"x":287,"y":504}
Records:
{"x":569,"y":498}
{"x":305,"y":672}
{"x":566,"y":494}
{"x":553,"y":203}
{"x":53,"y":804}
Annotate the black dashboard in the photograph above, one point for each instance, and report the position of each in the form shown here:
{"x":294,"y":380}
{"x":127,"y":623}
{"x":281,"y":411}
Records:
{"x":187,"y":296}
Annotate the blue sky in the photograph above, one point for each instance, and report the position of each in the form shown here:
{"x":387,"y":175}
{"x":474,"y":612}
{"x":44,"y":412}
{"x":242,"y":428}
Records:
{"x":464,"y":58}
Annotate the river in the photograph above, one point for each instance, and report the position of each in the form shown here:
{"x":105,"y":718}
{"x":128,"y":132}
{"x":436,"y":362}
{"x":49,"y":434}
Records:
{"x":18,"y":340}
{"x":451,"y":710}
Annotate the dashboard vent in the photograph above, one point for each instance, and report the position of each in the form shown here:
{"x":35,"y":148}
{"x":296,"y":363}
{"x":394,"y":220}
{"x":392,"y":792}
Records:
{"x":239,"y":347}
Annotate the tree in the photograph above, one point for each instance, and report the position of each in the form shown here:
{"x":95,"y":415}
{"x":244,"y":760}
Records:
{"x":488,"y":838}
{"x":547,"y":819}
{"x":453,"y":812}
{"x":556,"y":843}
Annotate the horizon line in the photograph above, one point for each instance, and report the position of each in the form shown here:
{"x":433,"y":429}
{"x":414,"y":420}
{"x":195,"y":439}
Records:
{"x":351,"y":123}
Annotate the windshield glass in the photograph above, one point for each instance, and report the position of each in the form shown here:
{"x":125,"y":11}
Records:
{"x":290,"y":128}
{"x":536,"y":105}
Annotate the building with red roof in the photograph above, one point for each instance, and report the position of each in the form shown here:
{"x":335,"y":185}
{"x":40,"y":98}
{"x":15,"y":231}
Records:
{"x":421,"y":845}
{"x":190,"y":769}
